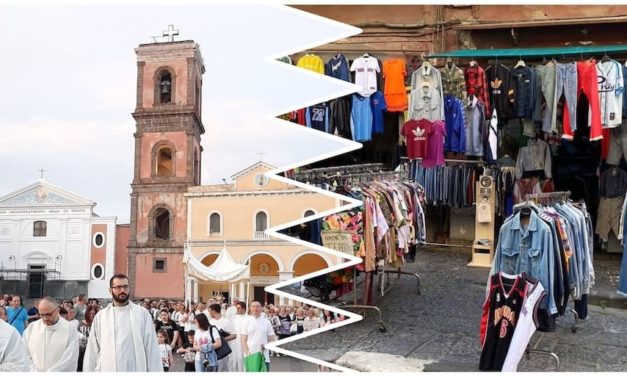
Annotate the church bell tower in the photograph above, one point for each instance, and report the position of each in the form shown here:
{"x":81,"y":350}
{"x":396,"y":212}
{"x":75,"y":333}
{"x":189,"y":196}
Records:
{"x":167,"y":162}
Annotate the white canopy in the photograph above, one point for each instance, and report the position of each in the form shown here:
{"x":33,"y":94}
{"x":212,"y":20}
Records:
{"x":224,"y":269}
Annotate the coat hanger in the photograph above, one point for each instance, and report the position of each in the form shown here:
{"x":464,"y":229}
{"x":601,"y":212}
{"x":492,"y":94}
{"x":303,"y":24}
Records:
{"x":472,"y":62}
{"x":520,"y":63}
{"x":605,"y":58}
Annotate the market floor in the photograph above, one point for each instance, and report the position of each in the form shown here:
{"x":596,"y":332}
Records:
{"x":442,"y":324}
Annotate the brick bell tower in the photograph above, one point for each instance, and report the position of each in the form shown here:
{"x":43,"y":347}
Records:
{"x":167,"y":162}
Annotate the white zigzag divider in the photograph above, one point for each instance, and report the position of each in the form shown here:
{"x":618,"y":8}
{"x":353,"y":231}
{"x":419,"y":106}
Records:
{"x":343,"y":89}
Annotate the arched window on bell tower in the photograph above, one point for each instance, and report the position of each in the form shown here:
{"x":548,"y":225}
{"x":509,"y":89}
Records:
{"x":164,"y":161}
{"x":165,"y":87}
{"x":161,"y":219}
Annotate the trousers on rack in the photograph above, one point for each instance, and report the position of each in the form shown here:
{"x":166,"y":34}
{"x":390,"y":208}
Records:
{"x":581,"y":307}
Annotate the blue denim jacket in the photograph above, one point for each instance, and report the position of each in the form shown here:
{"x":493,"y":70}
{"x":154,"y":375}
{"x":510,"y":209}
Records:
{"x":527,"y":251}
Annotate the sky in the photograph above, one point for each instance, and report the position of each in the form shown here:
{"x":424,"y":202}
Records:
{"x":69,"y":88}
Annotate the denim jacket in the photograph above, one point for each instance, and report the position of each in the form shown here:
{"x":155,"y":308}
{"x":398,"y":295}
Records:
{"x":527,"y":251}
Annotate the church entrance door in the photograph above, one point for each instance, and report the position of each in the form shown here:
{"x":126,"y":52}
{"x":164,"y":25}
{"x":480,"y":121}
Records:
{"x":36,"y":281}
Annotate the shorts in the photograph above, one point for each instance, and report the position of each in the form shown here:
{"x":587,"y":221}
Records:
{"x":608,"y":218}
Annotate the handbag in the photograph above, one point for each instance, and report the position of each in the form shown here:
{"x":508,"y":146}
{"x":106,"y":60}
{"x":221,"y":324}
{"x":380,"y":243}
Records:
{"x":255,"y":363}
{"x":224,"y":350}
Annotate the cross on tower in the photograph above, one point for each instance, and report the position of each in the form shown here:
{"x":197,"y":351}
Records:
{"x":41,"y":172}
{"x":170,"y":33}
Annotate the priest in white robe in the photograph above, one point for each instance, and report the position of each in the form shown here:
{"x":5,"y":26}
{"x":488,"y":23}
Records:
{"x":122,"y":337}
{"x":13,"y":353}
{"x":51,"y":341}
{"x":240,"y":321}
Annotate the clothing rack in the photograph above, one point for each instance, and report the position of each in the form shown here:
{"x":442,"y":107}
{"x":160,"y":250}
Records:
{"x":453,"y":161}
{"x":547,"y":198}
{"x":360,"y":172}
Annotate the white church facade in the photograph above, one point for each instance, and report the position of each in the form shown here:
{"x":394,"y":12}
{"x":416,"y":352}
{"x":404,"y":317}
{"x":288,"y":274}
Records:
{"x":52,"y":243}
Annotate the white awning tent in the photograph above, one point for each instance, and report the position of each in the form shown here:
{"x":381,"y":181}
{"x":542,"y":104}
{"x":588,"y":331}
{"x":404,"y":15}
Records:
{"x":224,"y":269}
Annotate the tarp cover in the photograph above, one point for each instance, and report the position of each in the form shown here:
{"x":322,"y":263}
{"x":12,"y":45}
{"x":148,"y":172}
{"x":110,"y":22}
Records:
{"x":224,"y":269}
{"x":534,"y":52}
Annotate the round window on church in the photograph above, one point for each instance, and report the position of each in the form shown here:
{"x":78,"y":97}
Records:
{"x":99,"y":239}
{"x":97,"y":272}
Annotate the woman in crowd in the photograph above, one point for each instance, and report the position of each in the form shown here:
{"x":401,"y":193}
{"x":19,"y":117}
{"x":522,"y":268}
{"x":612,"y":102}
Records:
{"x":17,"y":315}
{"x":84,"y":328}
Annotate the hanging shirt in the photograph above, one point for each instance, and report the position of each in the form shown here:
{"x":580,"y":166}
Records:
{"x":284,"y":59}
{"x":416,"y":133}
{"x":500,"y":90}
{"x":340,"y":120}
{"x":477,"y":85}
{"x":378,"y":106}
{"x":311,"y":62}
{"x":613,"y":183}
{"x":474,"y":116}
{"x":455,"y":125}
{"x":524,"y":87}
{"x":366,"y":68}
{"x":394,"y":74}
{"x":535,"y":156}
{"x":426,"y":103}
{"x":499,"y":320}
{"x":611,"y":86}
{"x":337,"y":67}
{"x":317,"y":117}
{"x":453,"y":82}
{"x":435,"y":145}
{"x":361,"y":119}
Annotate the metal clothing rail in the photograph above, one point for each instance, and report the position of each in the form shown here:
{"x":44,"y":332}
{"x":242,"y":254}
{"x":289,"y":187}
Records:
{"x":532,"y":52}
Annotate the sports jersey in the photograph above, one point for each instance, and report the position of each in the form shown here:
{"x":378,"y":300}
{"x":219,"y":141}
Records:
{"x":499,"y":319}
{"x":610,"y":78}
{"x":337,"y":67}
{"x":395,"y":96}
{"x":311,"y":62}
{"x":361,"y":118}
{"x":378,"y":105}
{"x":366,"y":68}
{"x":317,"y":117}
{"x":416,"y":133}
{"x":527,"y":324}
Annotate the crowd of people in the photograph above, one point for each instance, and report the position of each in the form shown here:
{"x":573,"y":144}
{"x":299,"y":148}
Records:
{"x":81,"y":335}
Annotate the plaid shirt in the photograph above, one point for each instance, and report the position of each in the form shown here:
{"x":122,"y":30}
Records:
{"x":477,"y":85}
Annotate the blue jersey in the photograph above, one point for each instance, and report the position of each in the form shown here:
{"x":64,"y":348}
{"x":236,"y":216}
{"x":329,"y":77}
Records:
{"x":377,"y":104}
{"x":317,"y":117}
{"x":361,"y":119}
{"x":337,"y":67}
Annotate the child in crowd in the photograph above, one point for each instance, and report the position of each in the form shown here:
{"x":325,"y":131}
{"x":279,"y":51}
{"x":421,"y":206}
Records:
{"x":165,"y":350}
{"x":189,"y":354}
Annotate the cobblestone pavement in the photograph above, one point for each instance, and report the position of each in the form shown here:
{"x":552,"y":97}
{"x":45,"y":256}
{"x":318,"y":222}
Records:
{"x":442,"y":324}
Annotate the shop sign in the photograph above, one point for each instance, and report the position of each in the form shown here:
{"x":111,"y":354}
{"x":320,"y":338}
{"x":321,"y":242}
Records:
{"x":339,"y":240}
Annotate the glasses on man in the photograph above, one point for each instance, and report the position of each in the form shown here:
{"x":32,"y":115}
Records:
{"x":118,"y":288}
{"x":48,"y":314}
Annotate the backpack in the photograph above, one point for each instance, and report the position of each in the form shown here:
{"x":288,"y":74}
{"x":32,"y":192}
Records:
{"x":224,"y":350}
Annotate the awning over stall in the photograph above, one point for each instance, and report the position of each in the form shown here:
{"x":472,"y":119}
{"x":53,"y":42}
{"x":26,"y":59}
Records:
{"x":534,"y":52}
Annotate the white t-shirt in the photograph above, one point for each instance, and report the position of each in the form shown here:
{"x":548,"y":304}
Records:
{"x":366,"y":69}
{"x":202,"y":337}
{"x":224,"y":324}
{"x":165,"y":350}
{"x":258,"y":329}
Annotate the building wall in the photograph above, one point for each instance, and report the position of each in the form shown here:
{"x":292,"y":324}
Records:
{"x":162,"y":285}
{"x":122,"y":235}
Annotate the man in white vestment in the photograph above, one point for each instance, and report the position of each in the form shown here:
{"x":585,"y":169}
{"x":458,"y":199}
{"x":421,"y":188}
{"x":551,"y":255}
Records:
{"x":51,"y":341}
{"x":239,"y":321}
{"x":13,"y":353}
{"x":256,"y":333}
{"x":232,"y":310}
{"x":122,"y":337}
